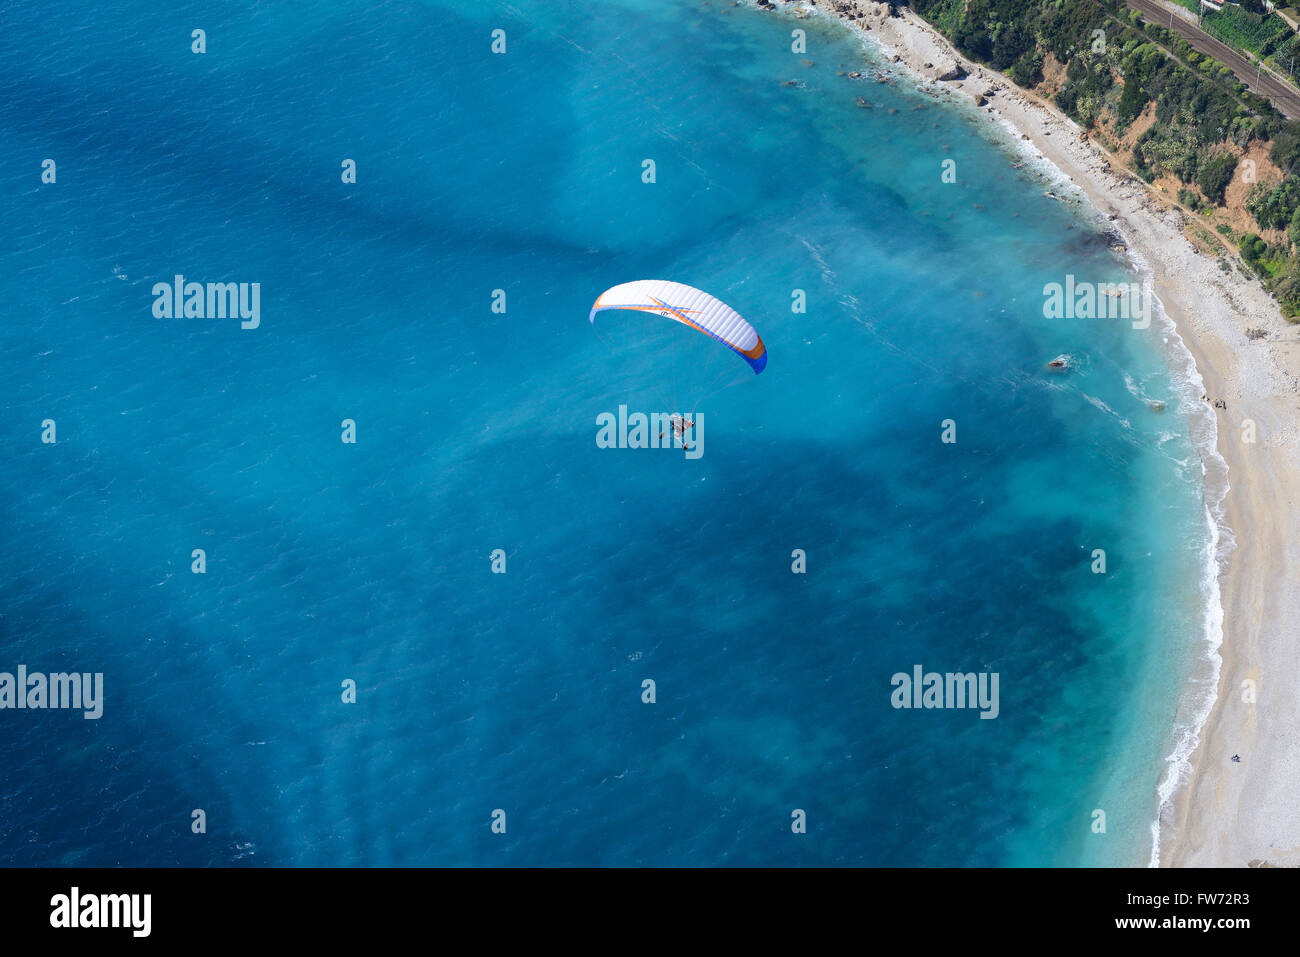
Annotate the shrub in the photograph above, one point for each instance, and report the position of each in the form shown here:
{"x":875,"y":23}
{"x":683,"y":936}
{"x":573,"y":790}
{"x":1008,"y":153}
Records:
{"x":1215,"y":175}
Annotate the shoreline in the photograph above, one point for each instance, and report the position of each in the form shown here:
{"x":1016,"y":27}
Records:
{"x":1212,"y":811}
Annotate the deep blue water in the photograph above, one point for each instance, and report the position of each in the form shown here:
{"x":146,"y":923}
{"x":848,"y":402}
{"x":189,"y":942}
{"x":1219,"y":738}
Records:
{"x":476,"y":431}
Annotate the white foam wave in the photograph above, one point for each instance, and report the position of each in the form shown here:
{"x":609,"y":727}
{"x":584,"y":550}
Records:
{"x":1101,"y":404}
{"x":1201,"y":692}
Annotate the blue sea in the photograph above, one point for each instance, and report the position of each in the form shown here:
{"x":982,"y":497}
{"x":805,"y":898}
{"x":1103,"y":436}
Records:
{"x":516,"y":179}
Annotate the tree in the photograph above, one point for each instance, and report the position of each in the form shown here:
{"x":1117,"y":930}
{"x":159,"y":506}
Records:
{"x":1215,"y":176}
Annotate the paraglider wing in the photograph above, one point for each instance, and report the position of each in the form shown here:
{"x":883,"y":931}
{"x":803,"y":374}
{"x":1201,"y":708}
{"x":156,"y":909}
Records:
{"x":691,"y":307}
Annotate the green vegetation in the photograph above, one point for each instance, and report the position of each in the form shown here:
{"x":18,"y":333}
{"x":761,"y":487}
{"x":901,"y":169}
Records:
{"x":1239,"y":27}
{"x":1215,"y":175}
{"x":1274,"y":208}
{"x":1285,"y":151}
{"x":1268,"y":260}
{"x":1088,"y":79}
{"x":1119,"y":69}
{"x":1139,"y":68}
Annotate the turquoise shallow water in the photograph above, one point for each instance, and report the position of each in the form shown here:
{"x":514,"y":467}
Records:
{"x":476,"y":431}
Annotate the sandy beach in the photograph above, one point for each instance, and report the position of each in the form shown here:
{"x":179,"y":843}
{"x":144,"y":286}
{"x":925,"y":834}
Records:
{"x":1215,"y":811}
